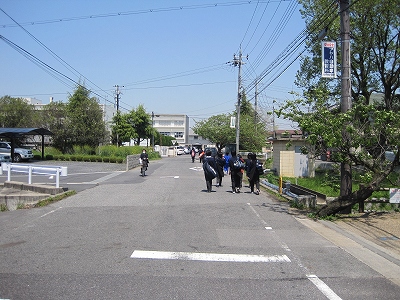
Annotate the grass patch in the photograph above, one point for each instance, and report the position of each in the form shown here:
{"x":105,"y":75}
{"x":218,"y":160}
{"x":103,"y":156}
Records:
{"x":55,"y":198}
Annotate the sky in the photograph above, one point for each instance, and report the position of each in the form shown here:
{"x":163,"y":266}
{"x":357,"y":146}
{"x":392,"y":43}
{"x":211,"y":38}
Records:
{"x":171,"y":56}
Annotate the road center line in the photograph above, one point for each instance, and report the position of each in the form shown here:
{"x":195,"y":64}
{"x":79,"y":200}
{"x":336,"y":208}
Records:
{"x":208,"y":256}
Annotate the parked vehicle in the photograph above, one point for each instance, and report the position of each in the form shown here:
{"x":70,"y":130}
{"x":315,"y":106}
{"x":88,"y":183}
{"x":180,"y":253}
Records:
{"x":4,"y":158}
{"x":180,"y":150}
{"x":19,"y":153}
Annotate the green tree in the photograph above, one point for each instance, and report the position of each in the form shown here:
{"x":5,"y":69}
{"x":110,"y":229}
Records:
{"x":375,"y":67}
{"x":16,"y":112}
{"x":216,"y":129}
{"x":134,"y":125}
{"x":54,"y":118}
{"x":85,"y":119}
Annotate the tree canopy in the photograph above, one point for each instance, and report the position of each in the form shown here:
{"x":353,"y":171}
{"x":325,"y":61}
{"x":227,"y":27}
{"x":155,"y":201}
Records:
{"x":216,"y":129}
{"x":372,"y":127}
{"x":134,"y":125}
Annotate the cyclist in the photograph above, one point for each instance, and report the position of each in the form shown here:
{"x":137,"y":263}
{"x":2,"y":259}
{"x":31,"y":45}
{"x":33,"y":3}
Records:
{"x":144,"y":161}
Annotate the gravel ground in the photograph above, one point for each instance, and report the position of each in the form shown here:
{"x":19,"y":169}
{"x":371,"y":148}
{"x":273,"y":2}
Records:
{"x":381,"y":228}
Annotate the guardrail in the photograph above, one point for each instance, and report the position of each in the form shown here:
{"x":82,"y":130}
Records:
{"x":34,"y":169}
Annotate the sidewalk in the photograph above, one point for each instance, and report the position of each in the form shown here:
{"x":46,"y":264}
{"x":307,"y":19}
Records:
{"x":373,"y":239}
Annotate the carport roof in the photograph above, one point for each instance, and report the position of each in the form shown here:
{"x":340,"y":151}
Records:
{"x":15,"y":132}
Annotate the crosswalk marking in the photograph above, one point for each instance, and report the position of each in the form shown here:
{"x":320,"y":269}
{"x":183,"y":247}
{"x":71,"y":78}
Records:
{"x":208,"y":256}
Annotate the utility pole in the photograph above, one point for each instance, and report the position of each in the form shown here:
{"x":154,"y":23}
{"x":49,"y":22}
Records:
{"x":237,"y":62}
{"x":117,"y":93}
{"x":255,"y":103}
{"x":345,"y":104}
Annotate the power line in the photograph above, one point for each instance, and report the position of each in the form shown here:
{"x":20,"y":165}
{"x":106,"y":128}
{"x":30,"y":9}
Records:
{"x":52,"y":53}
{"x":143,"y":11}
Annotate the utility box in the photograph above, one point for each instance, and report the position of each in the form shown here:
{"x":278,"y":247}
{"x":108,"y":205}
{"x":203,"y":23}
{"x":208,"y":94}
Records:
{"x":288,"y":160}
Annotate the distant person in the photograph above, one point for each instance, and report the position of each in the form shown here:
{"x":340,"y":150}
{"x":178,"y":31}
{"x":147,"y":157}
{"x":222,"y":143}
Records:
{"x":253,"y":173}
{"x":236,"y":166}
{"x":220,"y":168}
{"x":247,"y":163}
{"x":209,"y":174}
{"x":144,"y":161}
{"x":193,"y":154}
{"x":201,"y":155}
{"x":226,"y":165}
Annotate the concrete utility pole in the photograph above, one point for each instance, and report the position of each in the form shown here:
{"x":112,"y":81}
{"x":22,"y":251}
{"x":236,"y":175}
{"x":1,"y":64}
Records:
{"x":238,"y":62}
{"x":345,"y":104}
{"x":117,"y":93}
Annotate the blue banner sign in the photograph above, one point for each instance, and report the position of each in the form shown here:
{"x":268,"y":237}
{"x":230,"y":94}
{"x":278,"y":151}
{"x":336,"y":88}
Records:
{"x":328,"y":59}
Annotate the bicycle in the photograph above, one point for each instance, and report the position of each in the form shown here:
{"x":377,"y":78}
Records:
{"x":143,"y":169}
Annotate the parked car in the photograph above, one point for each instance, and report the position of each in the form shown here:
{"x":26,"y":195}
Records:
{"x":19,"y":153}
{"x":186,"y":150}
{"x":180,"y":150}
{"x":4,"y":158}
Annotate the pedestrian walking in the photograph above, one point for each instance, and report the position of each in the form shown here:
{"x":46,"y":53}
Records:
{"x":201,"y":155}
{"x":193,"y":154}
{"x":236,"y":166}
{"x":226,"y":165}
{"x":253,"y":167}
{"x":220,"y":162}
{"x":210,"y":170}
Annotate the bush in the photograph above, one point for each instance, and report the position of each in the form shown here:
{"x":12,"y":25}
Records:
{"x":49,"y":157}
{"x":87,"y":158}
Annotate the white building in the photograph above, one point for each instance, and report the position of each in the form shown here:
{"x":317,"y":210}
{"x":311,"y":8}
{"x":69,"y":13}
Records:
{"x":176,"y":126}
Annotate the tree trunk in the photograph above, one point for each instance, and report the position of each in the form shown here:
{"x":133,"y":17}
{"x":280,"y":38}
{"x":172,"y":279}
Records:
{"x":346,"y":202}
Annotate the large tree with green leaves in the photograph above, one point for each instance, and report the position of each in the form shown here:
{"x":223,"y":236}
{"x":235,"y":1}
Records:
{"x":371,"y":127}
{"x":54,"y":118}
{"x":134,"y":125}
{"x":216,"y":129}
{"x":16,"y":112}
{"x":85,"y":119}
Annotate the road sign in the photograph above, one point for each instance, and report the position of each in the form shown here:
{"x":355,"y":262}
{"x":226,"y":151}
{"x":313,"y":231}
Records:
{"x":328,"y":59}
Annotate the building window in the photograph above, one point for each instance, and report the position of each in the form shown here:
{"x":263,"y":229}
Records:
{"x":178,"y":123}
{"x":178,"y":134}
{"x":164,"y":123}
{"x":165,"y":133}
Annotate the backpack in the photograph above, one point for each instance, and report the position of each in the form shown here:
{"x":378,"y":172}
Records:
{"x":208,"y":170}
{"x":259,"y":167}
{"x":238,"y":164}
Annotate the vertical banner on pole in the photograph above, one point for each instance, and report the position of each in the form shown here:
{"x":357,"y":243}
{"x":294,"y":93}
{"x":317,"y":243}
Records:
{"x":328,"y":59}
{"x":233,"y":122}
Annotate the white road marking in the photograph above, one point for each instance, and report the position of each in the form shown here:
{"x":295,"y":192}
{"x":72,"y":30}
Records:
{"x":208,"y":256}
{"x":172,"y":176}
{"x":196,"y":168}
{"x":326,"y":290}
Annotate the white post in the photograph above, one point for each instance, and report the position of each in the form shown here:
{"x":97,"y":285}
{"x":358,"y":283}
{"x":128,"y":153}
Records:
{"x":30,"y":175}
{"x":58,"y":178}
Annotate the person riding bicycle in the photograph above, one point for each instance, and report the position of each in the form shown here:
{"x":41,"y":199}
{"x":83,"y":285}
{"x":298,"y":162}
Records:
{"x":144,"y":161}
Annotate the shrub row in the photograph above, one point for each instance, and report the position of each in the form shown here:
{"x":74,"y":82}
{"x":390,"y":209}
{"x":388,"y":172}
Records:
{"x":85,"y":158}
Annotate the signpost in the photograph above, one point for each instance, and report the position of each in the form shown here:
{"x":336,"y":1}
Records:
{"x":394,"y":195}
{"x":328,"y":59}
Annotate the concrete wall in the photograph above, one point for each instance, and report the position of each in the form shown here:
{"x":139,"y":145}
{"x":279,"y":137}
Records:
{"x":132,"y":161}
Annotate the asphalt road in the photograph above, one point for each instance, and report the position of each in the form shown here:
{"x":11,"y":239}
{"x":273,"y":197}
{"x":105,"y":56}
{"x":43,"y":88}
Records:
{"x":164,"y":237}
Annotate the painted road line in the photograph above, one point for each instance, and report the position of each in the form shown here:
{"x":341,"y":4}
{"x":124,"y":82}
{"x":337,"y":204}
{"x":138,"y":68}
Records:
{"x":171,"y":176}
{"x":196,"y":169}
{"x":208,"y":256}
{"x":326,"y":290}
